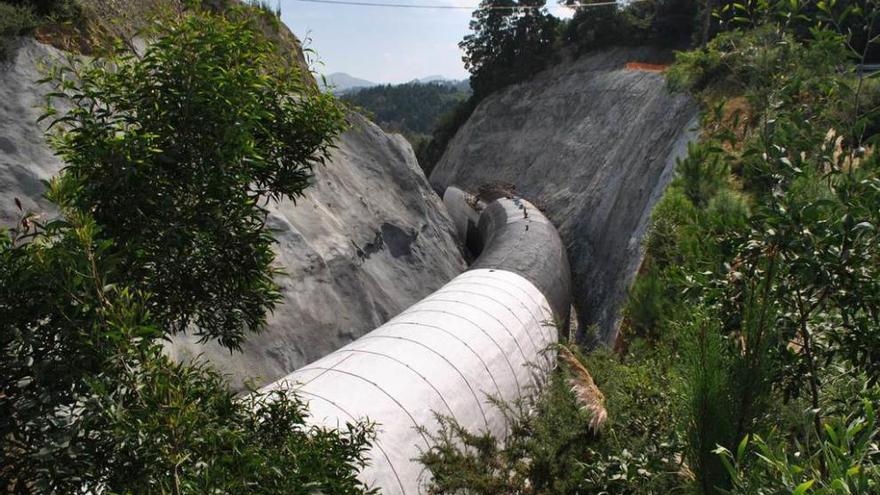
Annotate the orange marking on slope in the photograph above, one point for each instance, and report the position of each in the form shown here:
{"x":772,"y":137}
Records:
{"x":646,"y":67}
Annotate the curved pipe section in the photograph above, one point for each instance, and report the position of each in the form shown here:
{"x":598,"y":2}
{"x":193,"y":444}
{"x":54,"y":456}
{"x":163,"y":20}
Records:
{"x":482,"y":334}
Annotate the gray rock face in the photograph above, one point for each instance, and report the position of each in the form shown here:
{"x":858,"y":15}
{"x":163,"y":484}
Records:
{"x":369,"y":239}
{"x":25,"y":159}
{"x":594,"y":145}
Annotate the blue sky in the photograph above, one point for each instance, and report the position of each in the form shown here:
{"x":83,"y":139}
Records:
{"x":383,"y":45}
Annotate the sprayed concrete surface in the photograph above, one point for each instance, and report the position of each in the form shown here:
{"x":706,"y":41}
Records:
{"x":369,"y":239}
{"x":594,"y":145}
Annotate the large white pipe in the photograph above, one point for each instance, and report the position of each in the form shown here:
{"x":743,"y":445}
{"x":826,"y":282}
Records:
{"x":481,"y":335}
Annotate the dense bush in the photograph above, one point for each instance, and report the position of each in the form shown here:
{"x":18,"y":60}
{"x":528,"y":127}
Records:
{"x":759,"y":295}
{"x":156,"y":153}
{"x":774,"y":283}
{"x":90,"y":403}
{"x":665,"y":23}
{"x":511,"y":40}
{"x":169,"y":159}
{"x":841,"y":459}
{"x":429,"y":152}
{"x":551,"y":448}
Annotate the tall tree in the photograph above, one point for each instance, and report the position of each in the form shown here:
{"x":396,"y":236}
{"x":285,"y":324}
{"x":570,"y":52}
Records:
{"x":511,"y":40}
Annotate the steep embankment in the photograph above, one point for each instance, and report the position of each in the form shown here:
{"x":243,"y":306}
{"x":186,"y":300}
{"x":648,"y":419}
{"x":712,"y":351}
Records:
{"x":594,"y":145}
{"x":369,"y":239}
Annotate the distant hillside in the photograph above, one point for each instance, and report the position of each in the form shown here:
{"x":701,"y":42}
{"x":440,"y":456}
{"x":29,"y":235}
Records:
{"x":461,"y":84}
{"x":433,"y":78}
{"x":412,"y":109}
{"x":340,"y":82}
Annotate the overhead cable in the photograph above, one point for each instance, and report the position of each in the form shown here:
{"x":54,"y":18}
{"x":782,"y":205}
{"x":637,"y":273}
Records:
{"x":358,"y":3}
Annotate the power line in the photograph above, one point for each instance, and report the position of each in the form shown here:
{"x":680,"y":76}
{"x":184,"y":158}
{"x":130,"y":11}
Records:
{"x":454,"y":7}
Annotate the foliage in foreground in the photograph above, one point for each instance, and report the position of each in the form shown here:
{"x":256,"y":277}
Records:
{"x":759,"y":298}
{"x":764,"y":256}
{"x":174,"y":154}
{"x":170,"y":159}
{"x":552,"y":450}
{"x":843,"y":461}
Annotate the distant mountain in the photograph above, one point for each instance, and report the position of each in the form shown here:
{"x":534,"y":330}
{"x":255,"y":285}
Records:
{"x":462,"y":84}
{"x":434,"y":78}
{"x":340,"y":82}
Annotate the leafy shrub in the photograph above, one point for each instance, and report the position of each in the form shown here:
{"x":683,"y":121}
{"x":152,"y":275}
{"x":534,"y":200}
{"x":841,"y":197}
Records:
{"x":178,"y":175}
{"x":778,"y":293}
{"x":550,"y":448}
{"x":641,"y":450}
{"x":710,"y":408}
{"x":595,"y":27}
{"x":58,"y":8}
{"x":845,"y":461}
{"x":168,"y":156}
{"x":670,"y":215}
{"x":726,"y":211}
{"x":667,"y":23}
{"x":90,"y":403}
{"x":540,"y":455}
{"x":694,"y":70}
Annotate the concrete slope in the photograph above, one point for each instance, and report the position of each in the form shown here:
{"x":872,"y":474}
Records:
{"x":593,"y":145}
{"x":369,"y":239}
{"x":25,"y":158}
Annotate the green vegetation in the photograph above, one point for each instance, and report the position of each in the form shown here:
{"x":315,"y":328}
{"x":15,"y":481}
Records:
{"x":777,"y":262}
{"x":412,"y":109}
{"x":161,"y":230}
{"x":40,"y":11}
{"x":16,"y":20}
{"x":507,"y":44}
{"x":46,"y":7}
{"x":190,"y":232}
{"x":551,"y":449}
{"x":430,"y":151}
{"x":22,"y":17}
{"x":757,"y":310}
